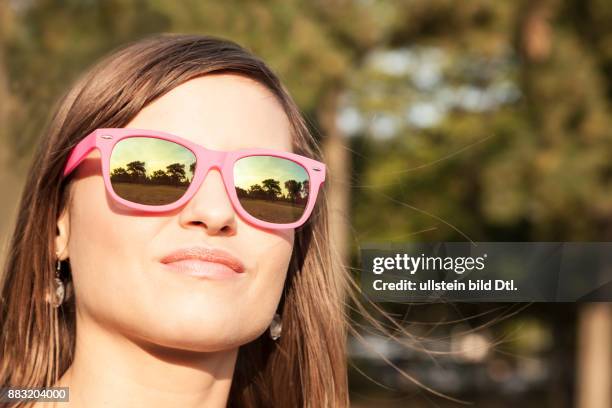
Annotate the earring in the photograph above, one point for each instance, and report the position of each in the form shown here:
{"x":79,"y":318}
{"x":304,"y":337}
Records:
{"x":59,"y":292}
{"x":276,"y":327}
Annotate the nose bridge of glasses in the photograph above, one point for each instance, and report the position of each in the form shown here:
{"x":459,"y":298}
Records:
{"x":208,"y":160}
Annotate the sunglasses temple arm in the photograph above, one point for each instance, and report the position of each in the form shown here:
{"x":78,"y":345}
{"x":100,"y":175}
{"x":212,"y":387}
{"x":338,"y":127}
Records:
{"x":322,"y":169}
{"x":79,"y":152}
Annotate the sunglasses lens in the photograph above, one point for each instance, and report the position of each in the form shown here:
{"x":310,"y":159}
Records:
{"x":151,"y":171}
{"x":272,"y":189}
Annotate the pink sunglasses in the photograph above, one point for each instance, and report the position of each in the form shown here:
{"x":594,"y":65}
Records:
{"x":154,"y":171}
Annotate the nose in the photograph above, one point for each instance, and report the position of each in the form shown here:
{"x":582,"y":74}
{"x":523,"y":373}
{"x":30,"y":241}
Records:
{"x":210,"y":207}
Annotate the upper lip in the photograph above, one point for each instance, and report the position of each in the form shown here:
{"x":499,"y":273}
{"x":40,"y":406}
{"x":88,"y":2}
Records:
{"x":205,"y":254}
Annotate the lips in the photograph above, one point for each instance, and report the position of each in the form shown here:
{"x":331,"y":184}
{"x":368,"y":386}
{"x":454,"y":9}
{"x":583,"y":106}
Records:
{"x":205,"y":255}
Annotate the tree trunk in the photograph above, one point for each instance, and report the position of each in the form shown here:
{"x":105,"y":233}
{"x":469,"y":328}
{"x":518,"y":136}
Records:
{"x":594,"y":356}
{"x":338,"y":161}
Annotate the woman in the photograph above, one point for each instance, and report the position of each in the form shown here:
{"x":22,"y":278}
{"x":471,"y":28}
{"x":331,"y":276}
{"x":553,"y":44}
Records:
{"x":182,"y":280}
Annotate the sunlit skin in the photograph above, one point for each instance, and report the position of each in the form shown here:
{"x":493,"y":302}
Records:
{"x":147,"y":337}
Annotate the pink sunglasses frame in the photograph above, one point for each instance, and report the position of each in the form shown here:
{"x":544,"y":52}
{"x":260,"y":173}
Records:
{"x":105,"y":139}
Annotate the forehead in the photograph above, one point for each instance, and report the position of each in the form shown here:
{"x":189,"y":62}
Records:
{"x":220,"y":112}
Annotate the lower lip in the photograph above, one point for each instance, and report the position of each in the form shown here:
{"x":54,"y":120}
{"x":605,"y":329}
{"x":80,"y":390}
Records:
{"x":202,"y":269}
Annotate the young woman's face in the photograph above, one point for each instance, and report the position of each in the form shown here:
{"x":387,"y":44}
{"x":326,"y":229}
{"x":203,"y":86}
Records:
{"x":120,"y":283}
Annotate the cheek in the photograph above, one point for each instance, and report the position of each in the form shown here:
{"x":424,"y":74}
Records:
{"x":272,"y":256}
{"x":105,"y":249}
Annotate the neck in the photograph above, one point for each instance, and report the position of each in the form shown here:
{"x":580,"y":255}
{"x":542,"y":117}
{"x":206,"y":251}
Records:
{"x":110,"y":369}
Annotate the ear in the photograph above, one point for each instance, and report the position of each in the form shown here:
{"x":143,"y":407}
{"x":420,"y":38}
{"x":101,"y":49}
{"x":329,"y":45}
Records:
{"x":61,"y":238}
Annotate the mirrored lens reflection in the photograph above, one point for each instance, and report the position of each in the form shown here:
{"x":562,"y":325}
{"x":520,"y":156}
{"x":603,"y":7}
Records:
{"x":271,"y":188}
{"x":151,"y":171}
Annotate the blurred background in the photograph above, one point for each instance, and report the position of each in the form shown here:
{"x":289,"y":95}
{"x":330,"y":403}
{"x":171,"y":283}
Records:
{"x":440,"y":120}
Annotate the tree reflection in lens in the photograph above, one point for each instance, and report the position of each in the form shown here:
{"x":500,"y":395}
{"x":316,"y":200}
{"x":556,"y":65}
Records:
{"x":271,"y":188}
{"x":151,"y":171}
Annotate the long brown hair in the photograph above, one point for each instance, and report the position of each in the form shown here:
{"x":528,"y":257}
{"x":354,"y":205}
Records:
{"x":306,"y":367}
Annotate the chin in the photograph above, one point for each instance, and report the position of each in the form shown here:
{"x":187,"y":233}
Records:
{"x":199,"y":335}
{"x":203,"y":343}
